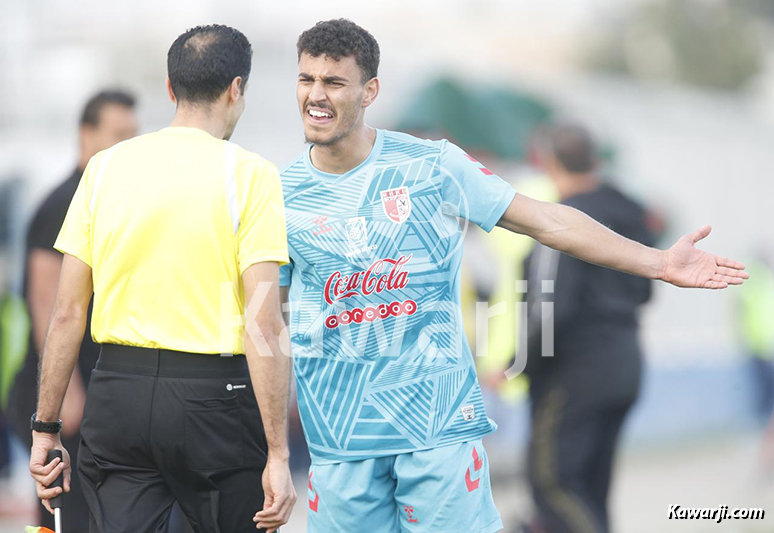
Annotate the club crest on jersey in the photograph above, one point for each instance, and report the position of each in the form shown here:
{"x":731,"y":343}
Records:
{"x":397,"y":204}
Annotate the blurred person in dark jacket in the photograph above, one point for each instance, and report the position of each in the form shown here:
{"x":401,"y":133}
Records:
{"x":107,"y":118}
{"x":582,"y":391}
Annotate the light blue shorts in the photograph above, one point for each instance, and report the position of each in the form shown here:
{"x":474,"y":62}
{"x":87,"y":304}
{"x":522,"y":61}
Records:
{"x":443,"y":490}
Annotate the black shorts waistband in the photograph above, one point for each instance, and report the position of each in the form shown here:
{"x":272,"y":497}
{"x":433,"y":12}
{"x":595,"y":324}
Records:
{"x":169,"y":363}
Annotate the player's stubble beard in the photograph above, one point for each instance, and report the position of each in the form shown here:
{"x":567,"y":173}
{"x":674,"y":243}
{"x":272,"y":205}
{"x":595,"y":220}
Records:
{"x":348,"y":119}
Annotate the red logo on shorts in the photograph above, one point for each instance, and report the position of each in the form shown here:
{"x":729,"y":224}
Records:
{"x":313,"y":503}
{"x":472,"y":484}
{"x":410,"y":514}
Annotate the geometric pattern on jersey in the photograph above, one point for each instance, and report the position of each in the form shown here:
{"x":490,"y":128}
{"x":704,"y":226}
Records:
{"x":382,"y":364}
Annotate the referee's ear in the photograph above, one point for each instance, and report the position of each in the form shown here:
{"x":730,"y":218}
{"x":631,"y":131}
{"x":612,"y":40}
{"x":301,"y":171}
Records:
{"x":171,"y":92}
{"x":236,"y":89}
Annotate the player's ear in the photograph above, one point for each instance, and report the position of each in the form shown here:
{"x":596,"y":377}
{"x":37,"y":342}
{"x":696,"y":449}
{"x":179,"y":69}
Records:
{"x":370,"y":92}
{"x":171,"y":92}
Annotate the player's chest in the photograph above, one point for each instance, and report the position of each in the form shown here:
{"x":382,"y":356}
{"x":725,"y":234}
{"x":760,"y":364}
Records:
{"x":362,"y":214}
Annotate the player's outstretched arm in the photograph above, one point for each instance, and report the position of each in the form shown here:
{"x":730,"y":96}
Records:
{"x":573,"y":232}
{"x":268,"y":357}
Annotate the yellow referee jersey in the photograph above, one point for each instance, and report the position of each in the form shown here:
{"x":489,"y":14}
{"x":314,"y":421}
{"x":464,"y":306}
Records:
{"x":168,"y":222}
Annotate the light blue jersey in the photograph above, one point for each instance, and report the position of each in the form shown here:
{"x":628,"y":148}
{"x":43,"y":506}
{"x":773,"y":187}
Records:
{"x":381,"y":359}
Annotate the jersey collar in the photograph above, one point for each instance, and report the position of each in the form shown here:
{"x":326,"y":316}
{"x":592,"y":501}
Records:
{"x":373,"y":156}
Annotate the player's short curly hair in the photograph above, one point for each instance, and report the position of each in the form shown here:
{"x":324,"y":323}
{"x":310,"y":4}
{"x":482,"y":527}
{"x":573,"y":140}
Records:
{"x":339,"y":38}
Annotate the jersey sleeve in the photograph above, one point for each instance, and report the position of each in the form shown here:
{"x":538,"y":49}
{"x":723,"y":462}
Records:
{"x":470,"y":190}
{"x":286,"y":274}
{"x":262,"y":236}
{"x":75,"y":235}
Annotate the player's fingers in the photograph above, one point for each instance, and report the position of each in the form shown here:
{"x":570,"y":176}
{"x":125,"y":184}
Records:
{"x":727,"y":271}
{"x":289,"y":504}
{"x":273,"y":509}
{"x":268,"y":515}
{"x":67,"y":476}
{"x":277,"y":515}
{"x":731,"y":280}
{"x":730,"y":263}
{"x":715,"y":285}
{"x":267,"y":521}
{"x":268,"y":511}
{"x":700,"y":233}
{"x":268,"y":501}
{"x":288,"y":508}
{"x":269,"y":524}
{"x":283,"y":513}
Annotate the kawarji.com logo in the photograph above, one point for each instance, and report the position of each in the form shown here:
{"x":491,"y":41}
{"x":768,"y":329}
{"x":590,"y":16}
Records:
{"x":383,"y":275}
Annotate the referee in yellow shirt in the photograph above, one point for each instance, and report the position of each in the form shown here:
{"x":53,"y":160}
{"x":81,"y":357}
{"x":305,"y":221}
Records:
{"x":175,"y":232}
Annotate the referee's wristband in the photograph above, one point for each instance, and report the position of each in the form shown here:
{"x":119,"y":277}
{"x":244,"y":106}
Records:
{"x":44,"y":427}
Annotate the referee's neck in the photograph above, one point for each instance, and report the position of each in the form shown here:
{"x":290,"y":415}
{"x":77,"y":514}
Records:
{"x":207,"y":119}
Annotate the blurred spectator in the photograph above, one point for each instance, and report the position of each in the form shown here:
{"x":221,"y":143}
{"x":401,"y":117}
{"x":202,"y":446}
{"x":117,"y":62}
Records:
{"x":14,"y":331}
{"x":582,"y":393}
{"x":756,"y":318}
{"x":107,"y":119}
{"x":5,"y":442}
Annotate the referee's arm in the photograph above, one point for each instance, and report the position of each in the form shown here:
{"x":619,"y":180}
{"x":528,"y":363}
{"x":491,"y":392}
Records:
{"x":267,"y":347}
{"x":60,"y":353}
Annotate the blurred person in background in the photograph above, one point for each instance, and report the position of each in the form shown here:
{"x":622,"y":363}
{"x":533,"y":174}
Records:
{"x":107,"y":118}
{"x":394,"y":425}
{"x":5,"y":434}
{"x":756,"y":327}
{"x":756,"y":323}
{"x":581,"y":395}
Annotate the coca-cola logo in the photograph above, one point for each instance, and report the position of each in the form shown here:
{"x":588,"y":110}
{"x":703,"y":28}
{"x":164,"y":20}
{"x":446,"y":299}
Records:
{"x":383,"y":275}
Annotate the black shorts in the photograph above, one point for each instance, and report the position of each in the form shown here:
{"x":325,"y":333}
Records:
{"x":162,"y":426}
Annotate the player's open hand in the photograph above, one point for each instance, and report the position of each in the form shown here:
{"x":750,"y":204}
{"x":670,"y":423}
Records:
{"x":687,"y":266}
{"x":280,"y":496}
{"x":45,"y":474}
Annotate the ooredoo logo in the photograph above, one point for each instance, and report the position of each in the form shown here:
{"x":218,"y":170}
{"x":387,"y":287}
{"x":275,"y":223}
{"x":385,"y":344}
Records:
{"x":369,"y":314}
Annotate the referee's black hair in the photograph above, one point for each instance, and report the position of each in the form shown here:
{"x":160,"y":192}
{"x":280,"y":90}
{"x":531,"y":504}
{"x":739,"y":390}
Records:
{"x":339,"y":38}
{"x":93,"y":108}
{"x":203,"y":62}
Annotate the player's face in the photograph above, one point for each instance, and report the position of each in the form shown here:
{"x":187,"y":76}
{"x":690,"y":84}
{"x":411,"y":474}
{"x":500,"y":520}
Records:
{"x":116,"y":123}
{"x":331,"y":97}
